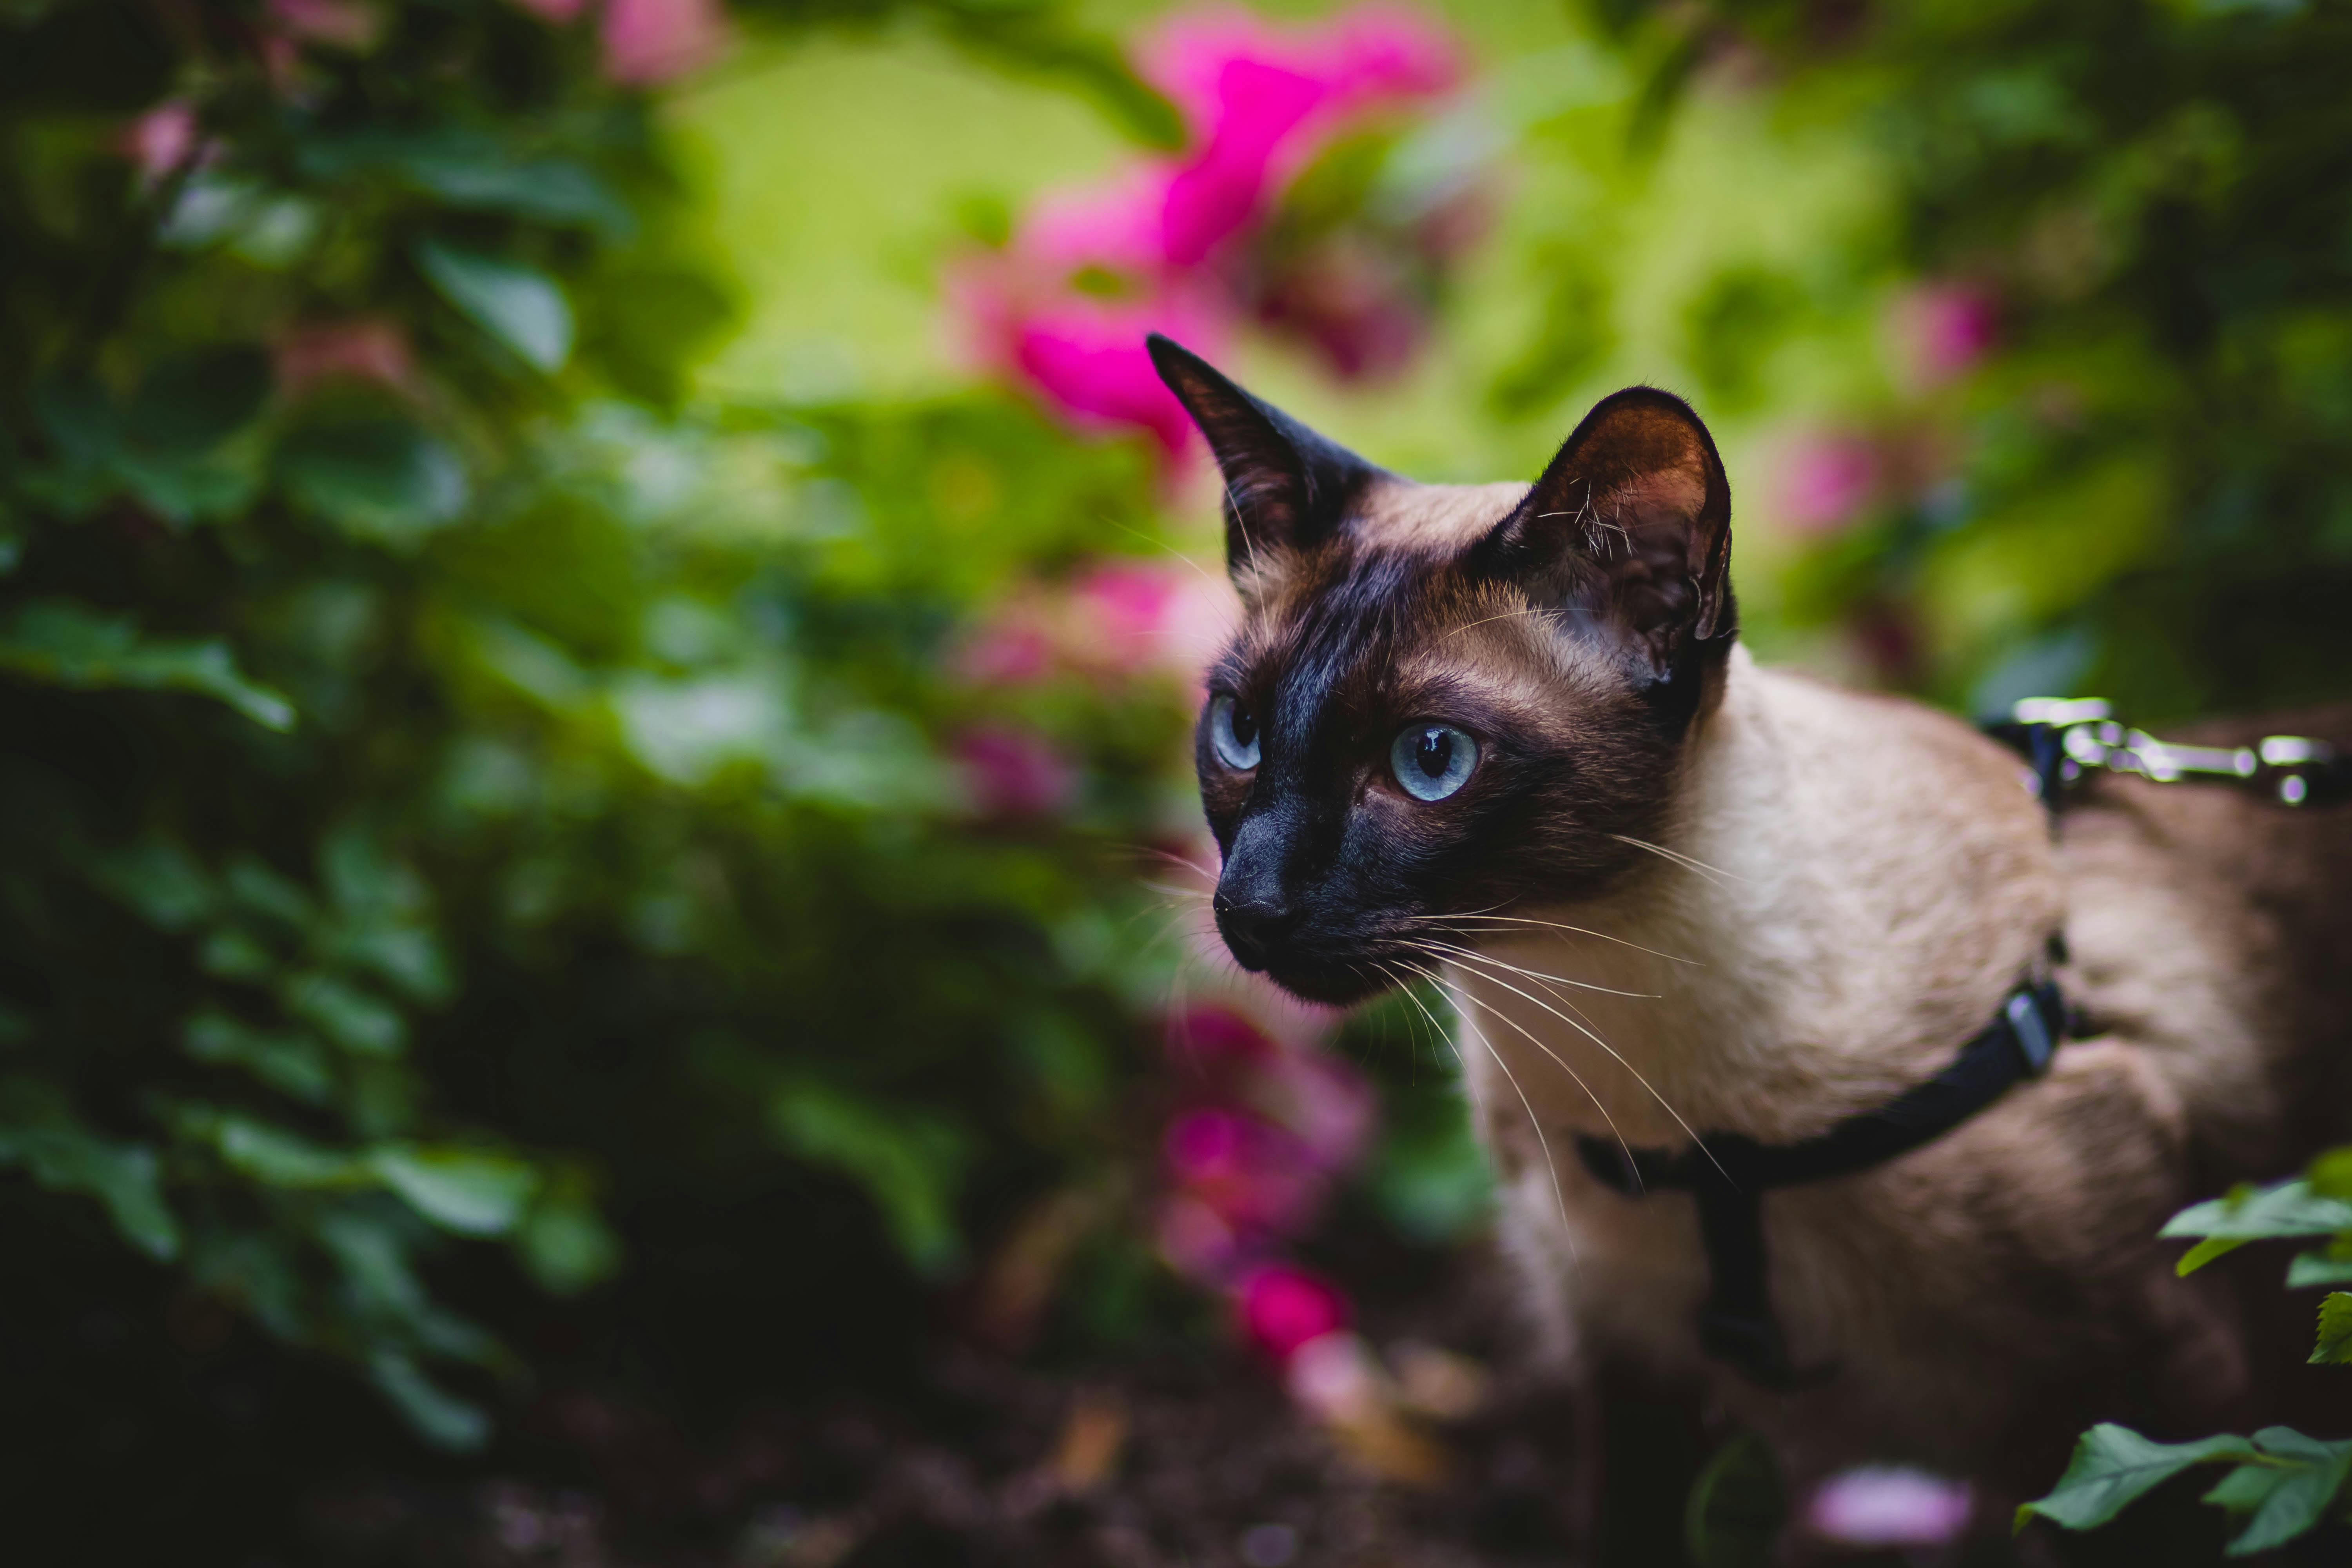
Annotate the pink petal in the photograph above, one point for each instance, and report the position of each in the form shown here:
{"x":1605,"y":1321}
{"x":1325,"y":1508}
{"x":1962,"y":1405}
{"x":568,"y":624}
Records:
{"x":338,"y":24}
{"x":366,"y":350}
{"x":1943,"y":328}
{"x":651,"y":41}
{"x":162,"y":139}
{"x":1015,"y":772}
{"x":1283,"y":1307}
{"x":1886,"y":1505}
{"x":1825,"y":480}
{"x":1093,"y":364}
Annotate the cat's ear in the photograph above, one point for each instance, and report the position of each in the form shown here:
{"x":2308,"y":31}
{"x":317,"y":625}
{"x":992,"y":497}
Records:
{"x":1632,"y":523}
{"x":1287,"y":488}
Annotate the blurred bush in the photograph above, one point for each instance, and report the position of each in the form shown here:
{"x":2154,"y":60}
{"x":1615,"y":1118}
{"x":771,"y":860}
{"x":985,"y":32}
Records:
{"x":467,"y":816}
{"x":2107,"y":453}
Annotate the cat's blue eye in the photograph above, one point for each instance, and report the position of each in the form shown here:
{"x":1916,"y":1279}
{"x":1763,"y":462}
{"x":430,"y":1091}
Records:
{"x":1432,"y":761}
{"x":1233,"y":733}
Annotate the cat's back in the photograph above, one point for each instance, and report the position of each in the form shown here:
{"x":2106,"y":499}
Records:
{"x":2215,"y":926}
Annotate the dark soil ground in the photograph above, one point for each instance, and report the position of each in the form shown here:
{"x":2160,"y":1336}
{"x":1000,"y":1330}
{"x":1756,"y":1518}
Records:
{"x":1198,"y":1461}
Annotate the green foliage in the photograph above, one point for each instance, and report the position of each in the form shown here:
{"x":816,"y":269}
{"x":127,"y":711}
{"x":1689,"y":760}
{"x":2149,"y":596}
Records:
{"x":1738,"y":1507}
{"x":455,"y":792}
{"x":2282,"y":1484}
{"x":2142,"y":471}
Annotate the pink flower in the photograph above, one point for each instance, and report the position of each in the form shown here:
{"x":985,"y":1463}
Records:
{"x":1091,"y":360}
{"x":1943,"y":328}
{"x":1260,"y":103}
{"x":1065,"y":305}
{"x":1115,"y":620}
{"x":1251,"y":1175}
{"x":1825,"y":481}
{"x":365,"y":350}
{"x":1214,"y":1039}
{"x":1283,"y":1308}
{"x":1223,"y":187}
{"x":1015,"y":772}
{"x":347,"y":24}
{"x":1013,"y":649}
{"x":1322,"y":1102}
{"x":1196,"y":1239}
{"x":651,"y":41}
{"x":162,"y":139}
{"x":1882,"y":1506}
{"x":1334,"y":1377}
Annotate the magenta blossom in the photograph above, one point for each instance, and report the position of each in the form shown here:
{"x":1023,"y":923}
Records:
{"x":651,"y":41}
{"x":1115,"y":620}
{"x":1216,"y":1041}
{"x":1065,"y":305}
{"x":1886,"y":1505}
{"x":1942,"y":330}
{"x":1260,"y":102}
{"x":1322,"y":1102}
{"x":1283,"y":1307}
{"x":350,"y":25}
{"x":1254,"y":1176}
{"x":1825,"y":481}
{"x":1015,"y":772}
{"x":162,"y":139}
{"x":366,"y":350}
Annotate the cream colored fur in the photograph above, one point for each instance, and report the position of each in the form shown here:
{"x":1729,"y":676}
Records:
{"x":1854,"y":883}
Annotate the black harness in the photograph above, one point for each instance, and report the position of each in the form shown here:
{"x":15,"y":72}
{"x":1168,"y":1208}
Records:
{"x":1729,"y":1173}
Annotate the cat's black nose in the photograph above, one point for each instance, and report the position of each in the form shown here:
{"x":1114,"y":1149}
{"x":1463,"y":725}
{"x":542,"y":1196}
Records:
{"x":1253,"y":928}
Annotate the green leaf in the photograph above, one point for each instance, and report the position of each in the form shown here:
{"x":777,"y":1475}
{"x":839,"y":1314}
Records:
{"x":293,"y":1064}
{"x":278,"y":1158}
{"x":2334,"y":1346}
{"x":438,"y":1416}
{"x":69,"y":644}
{"x":2285,"y":1209}
{"x":564,"y":1243}
{"x":79,"y":419}
{"x":519,"y":306}
{"x":2331,"y":1175}
{"x":464,"y":1190}
{"x":380,"y":479}
{"x":189,"y":403}
{"x":2321,"y":1266}
{"x":354,"y":1020}
{"x":2114,"y":1467}
{"x":1737,"y":1507}
{"x":2206,"y":1251}
{"x":907,"y":1162}
{"x":553,"y":190}
{"x":126,"y":1178}
{"x":2314,"y":1472}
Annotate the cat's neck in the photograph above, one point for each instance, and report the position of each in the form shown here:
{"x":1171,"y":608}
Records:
{"x":1845,"y":887}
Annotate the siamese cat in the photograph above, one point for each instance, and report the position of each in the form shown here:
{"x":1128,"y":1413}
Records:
{"x":1504,"y":739}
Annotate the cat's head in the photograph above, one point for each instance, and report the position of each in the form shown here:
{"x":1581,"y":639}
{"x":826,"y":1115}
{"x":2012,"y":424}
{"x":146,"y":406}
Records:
{"x":1445,"y":701}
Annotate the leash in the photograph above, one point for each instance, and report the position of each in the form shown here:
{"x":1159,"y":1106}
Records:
{"x":2062,"y":740}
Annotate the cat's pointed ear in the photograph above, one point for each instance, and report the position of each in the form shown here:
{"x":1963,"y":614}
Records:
{"x":1632,"y":523}
{"x":1287,"y":488}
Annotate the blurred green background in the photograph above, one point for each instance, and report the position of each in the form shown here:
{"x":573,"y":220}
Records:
{"x":508,"y":871}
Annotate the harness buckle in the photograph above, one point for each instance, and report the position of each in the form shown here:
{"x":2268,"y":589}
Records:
{"x":2030,"y":1029}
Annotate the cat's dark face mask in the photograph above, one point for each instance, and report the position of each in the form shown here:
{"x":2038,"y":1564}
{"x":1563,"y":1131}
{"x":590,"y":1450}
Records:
{"x":1447,"y":703}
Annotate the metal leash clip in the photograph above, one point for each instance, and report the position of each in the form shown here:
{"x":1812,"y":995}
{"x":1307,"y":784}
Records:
{"x":2063,"y":737}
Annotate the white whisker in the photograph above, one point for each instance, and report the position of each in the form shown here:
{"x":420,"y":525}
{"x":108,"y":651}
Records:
{"x":1679,"y":858}
{"x":1543,"y":1144}
{"x":1587,"y":1032}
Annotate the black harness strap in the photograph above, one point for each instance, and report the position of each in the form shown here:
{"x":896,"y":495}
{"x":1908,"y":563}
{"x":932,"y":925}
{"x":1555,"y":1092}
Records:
{"x":1729,"y":1173}
{"x":2061,"y":739}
